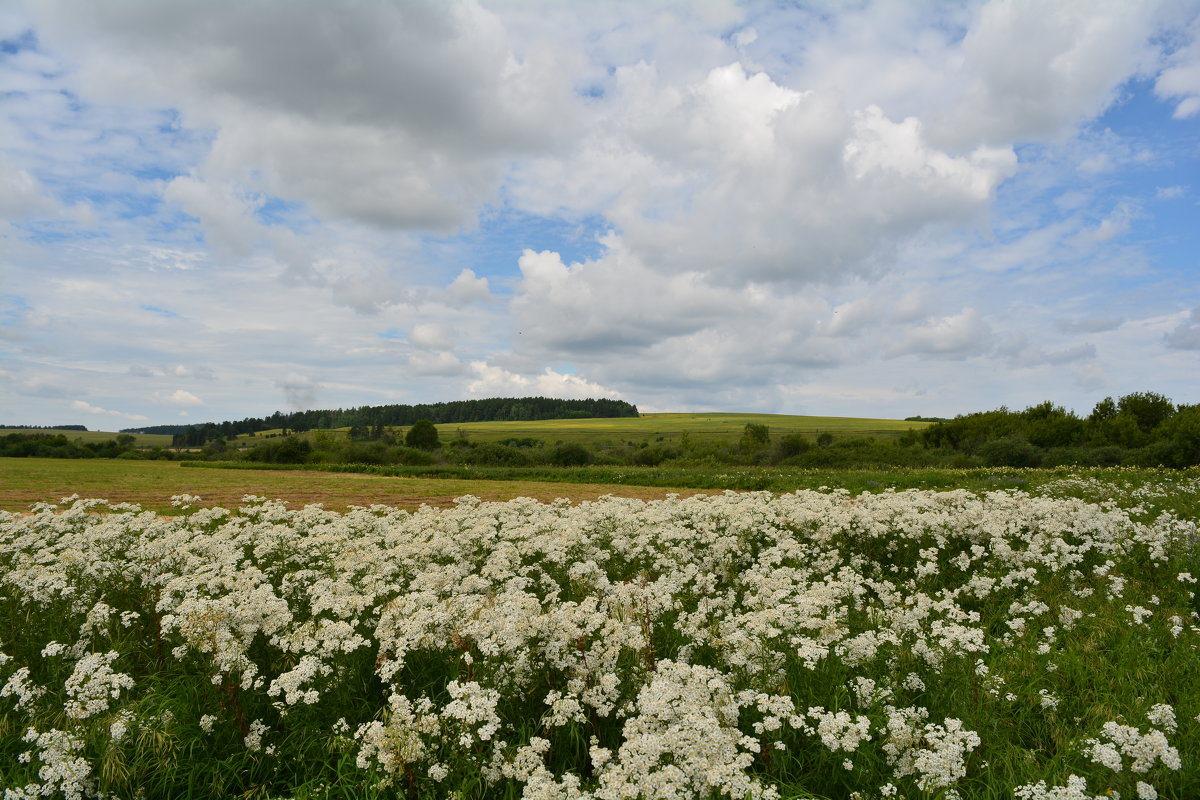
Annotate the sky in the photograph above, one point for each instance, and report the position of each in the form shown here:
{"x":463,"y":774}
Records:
{"x":216,"y":210}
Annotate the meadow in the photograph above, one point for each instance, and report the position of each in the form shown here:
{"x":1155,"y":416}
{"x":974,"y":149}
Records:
{"x":667,"y":427}
{"x":1035,"y":642}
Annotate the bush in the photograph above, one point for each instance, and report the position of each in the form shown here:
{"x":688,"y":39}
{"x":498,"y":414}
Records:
{"x":289,"y":450}
{"x":570,"y":454}
{"x":652,"y":456}
{"x":492,"y":455}
{"x":1011,"y":451}
{"x":422,"y":435}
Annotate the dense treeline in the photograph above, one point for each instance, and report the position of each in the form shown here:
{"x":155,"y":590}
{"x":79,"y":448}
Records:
{"x":1142,"y":429}
{"x":378,"y":417}
{"x":43,"y":427}
{"x":45,"y":445}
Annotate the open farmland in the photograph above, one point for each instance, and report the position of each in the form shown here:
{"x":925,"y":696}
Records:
{"x":653,"y":427}
{"x":708,"y":426}
{"x":818,"y":644}
{"x":24,"y":481}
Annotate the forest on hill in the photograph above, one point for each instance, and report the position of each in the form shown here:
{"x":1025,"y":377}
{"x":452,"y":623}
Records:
{"x":377,"y":418}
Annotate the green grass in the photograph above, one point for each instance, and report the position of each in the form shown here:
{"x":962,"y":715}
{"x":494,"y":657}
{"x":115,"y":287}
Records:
{"x":711,"y":426}
{"x":670,"y":427}
{"x":86,"y":437}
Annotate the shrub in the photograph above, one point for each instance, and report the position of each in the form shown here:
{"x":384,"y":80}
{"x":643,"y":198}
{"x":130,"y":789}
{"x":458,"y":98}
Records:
{"x":793,"y":444}
{"x":1011,"y":451}
{"x":570,"y":454}
{"x":422,"y":435}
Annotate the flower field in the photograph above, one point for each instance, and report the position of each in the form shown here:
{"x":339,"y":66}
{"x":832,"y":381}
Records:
{"x":817,"y":644}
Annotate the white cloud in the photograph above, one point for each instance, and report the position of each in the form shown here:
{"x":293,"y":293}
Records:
{"x":958,"y":336}
{"x":1037,"y":71}
{"x":1180,"y":81}
{"x":493,"y":381}
{"x":468,"y":288}
{"x":1186,"y":335}
{"x":80,"y":405}
{"x":716,"y":203}
{"x":20,"y":194}
{"x":179,"y":397}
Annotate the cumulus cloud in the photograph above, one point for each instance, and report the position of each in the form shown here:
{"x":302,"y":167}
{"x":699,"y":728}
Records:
{"x":468,"y":288}
{"x":431,"y":336}
{"x":958,"y":336}
{"x":1073,"y":57}
{"x":21,"y":196}
{"x":399,"y":115}
{"x":741,"y":180}
{"x":1180,"y":81}
{"x":1186,"y":335}
{"x":494,"y":381}
{"x":179,"y":397}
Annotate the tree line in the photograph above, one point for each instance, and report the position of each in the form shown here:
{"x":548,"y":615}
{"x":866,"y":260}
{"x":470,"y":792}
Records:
{"x":376,"y":418}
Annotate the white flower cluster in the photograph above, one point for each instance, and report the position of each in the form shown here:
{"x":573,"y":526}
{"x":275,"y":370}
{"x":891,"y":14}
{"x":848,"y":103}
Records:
{"x":683,"y":644}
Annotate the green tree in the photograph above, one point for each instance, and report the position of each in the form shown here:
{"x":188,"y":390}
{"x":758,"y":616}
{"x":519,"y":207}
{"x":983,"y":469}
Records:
{"x":1150,"y":409}
{"x":422,"y":435}
{"x":755,"y":436}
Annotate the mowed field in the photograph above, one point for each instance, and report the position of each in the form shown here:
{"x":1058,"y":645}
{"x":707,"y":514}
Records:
{"x":151,"y":484}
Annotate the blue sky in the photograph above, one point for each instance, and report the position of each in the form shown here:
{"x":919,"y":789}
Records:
{"x":214,"y":210}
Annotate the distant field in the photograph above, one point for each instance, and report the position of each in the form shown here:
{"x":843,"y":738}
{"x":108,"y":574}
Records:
{"x":140,"y":439}
{"x":672,"y":426}
{"x":649,"y":427}
{"x":24,"y":481}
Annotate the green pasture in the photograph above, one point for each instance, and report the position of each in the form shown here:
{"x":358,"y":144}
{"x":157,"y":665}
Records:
{"x":667,"y":427}
{"x":86,"y":437}
{"x":672,"y":426}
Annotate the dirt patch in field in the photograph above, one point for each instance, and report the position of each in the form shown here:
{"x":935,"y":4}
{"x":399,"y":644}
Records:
{"x":153,"y":489}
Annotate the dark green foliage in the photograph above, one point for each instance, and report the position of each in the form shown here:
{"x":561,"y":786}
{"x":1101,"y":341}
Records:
{"x":1148,"y":409}
{"x":286,"y":450}
{"x":497,"y":455}
{"x":376,"y":417}
{"x":755,"y":436}
{"x":1011,"y":451}
{"x":45,"y":445}
{"x":570,"y":454}
{"x":793,"y":444}
{"x":422,"y":435}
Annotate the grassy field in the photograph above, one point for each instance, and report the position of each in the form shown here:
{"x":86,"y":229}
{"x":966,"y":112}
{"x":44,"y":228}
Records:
{"x":24,"y":481}
{"x":666,"y":427}
{"x":672,"y":426}
{"x":140,"y":439}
